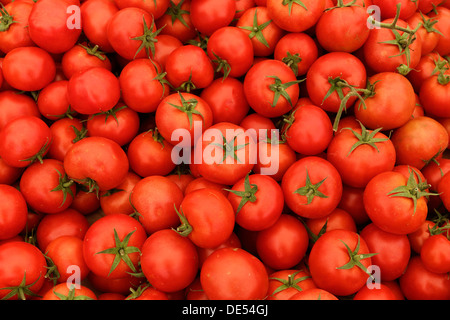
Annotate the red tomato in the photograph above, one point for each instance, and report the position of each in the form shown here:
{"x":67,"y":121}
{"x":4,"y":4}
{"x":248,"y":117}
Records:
{"x":443,"y":26}
{"x":53,"y":102}
{"x":388,"y":8}
{"x":82,"y":57}
{"x":112,"y":244}
{"x":14,"y":27}
{"x":169,"y":261}
{"x":337,"y":219}
{"x":427,"y":32}
{"x":284,"y":284}
{"x":208,"y":15}
{"x":13,"y":212}
{"x":314,"y":294}
{"x":381,"y":292}
{"x":434,"y":94}
{"x":226,"y":269}
{"x":435,"y":254}
{"x":155,"y":7}
{"x":62,"y":292}
{"x":65,"y":132}
{"x":14,"y":105}
{"x":177,"y":22}
{"x":443,"y":189}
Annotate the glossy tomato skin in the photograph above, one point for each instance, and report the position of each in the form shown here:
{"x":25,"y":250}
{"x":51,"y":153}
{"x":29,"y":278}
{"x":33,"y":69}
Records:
{"x":99,"y":159}
{"x":318,"y":169}
{"x":52,"y":101}
{"x":434,"y":96}
{"x":14,"y":105}
{"x":296,"y":280}
{"x":50,"y":26}
{"x":86,"y":90}
{"x":82,"y":293}
{"x":442,"y":15}
{"x":257,"y":90}
{"x":101,"y":236}
{"x":169,"y":261}
{"x":181,"y":26}
{"x":24,"y":141}
{"x":394,"y":214}
{"x":65,"y":133}
{"x":242,"y":267}
{"x":435,"y":254}
{"x":17,"y":35}
{"x":13,"y":212}
{"x":82,"y":57}
{"x":155,"y":8}
{"x":444,"y":190}
{"x":329,"y":253}
{"x":28,"y":68}
{"x":314,"y":294}
{"x":208,"y":15}
{"x":378,"y":293}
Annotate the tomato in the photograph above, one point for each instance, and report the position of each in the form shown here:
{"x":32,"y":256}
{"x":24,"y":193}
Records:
{"x":359,"y":155}
{"x":226,"y":269}
{"x":200,"y":182}
{"x":434,"y":94}
{"x":388,"y":8}
{"x":284,"y":284}
{"x":155,"y":7}
{"x":14,"y":32}
{"x":298,"y":50}
{"x":188,"y":67}
{"x":64,"y":253}
{"x":131,"y":32}
{"x":393,"y":251}
{"x":250,"y":200}
{"x":435,"y":254}
{"x":260,"y":28}
{"x":95,"y":16}
{"x":82,"y":57}
{"x":337,"y":219}
{"x":13,"y":212}
{"x":349,"y":31}
{"x":117,"y":200}
{"x":420,"y":141}
{"x":24,"y":141}
{"x":383,"y":51}
{"x":314,"y":294}
{"x":428,"y":34}
{"x":112,"y":244}
{"x":443,"y":189}
{"x":146,"y":292}
{"x":120,"y":285}
{"x":65,"y":132}
{"x":208,"y":15}
{"x":206,"y":228}
{"x":225,"y":153}
{"x":177,"y":21}
{"x":338,"y":262}
{"x":120,"y":124}
{"x":150,"y":154}
{"x":231,"y":51}
{"x":271,"y":88}
{"x":434,"y":171}
{"x":283,"y":245}
{"x":14,"y":105}
{"x":62,"y":292}
{"x":52,"y":101}
{"x":165,"y":45}
{"x":143,"y":86}
{"x":86,"y":90}
{"x":232,"y":242}
{"x":23,"y":269}
{"x":308,"y":130}
{"x":430,"y":64}
{"x":178,"y":114}
{"x":389,"y":103}
{"x":226,"y":99}
{"x":329,"y":79}
{"x":50,"y":26}
{"x":46,"y":187}
{"x":169,"y":261}
{"x":155,"y":198}
{"x":417,"y":283}
{"x":418,"y":237}
{"x":9,"y":174}
{"x":295,"y":16}
{"x":394,"y":203}
{"x":28,"y":68}
{"x":381,"y":292}
{"x":312,"y":187}
{"x":442,"y":15}
{"x":69,"y":222}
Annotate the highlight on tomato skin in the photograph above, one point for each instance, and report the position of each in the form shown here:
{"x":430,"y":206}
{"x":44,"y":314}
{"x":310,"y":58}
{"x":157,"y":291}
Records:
{"x":224,"y":150}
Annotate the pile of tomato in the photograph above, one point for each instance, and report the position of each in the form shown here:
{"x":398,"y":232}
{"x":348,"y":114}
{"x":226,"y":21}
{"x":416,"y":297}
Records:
{"x":119,"y":178}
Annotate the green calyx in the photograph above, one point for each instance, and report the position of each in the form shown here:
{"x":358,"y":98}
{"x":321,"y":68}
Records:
{"x":290,"y":282}
{"x":292,"y":61}
{"x":413,"y":189}
{"x":290,"y":3}
{"x":176,"y":13}
{"x":229,"y":148}
{"x":6,"y":20}
{"x":355,"y":258}
{"x":148,"y":39}
{"x":64,"y":185}
{"x":222,"y":65}
{"x":310,"y":190}
{"x":185,"y":228}
{"x":366,"y":137}
{"x":94,"y":52}
{"x":256,"y":30}
{"x":188,"y":107}
{"x":22,"y":290}
{"x":248,"y":195}
{"x":279,"y":89}
{"x":71,"y":295}
{"x":39,"y":156}
{"x":121,"y":251}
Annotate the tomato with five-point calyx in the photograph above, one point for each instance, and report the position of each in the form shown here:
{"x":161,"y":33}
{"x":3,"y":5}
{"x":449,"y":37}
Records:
{"x":283,"y":284}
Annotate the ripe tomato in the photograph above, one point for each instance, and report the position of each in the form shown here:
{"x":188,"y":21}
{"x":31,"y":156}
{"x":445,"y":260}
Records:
{"x":14,"y":21}
{"x":98,"y":163}
{"x":314,"y":294}
{"x":23,"y":269}
{"x":312,"y":187}
{"x":231,"y":51}
{"x":208,"y":15}
{"x":155,"y":198}
{"x":46,"y":187}
{"x":283,"y":245}
{"x":257,"y":200}
{"x":169,"y":261}
{"x":388,"y":8}
{"x":112,"y":244}
{"x":24,"y":141}
{"x":226,"y":269}
{"x":295,"y":16}
{"x":361,"y":154}
{"x":28,"y":68}
{"x":442,"y":15}
{"x":155,"y":7}
{"x":52,"y":101}
{"x":434,"y":94}
{"x":435,"y":254}
{"x":428,"y":35}
{"x":13,"y":212}
{"x":14,"y":105}
{"x":337,"y":219}
{"x":204,"y":227}
{"x":62,"y":292}
{"x":338,"y":262}
{"x":443,"y":189}
{"x":283,"y":284}
{"x":271,"y":88}
{"x":177,"y":22}
{"x":51,"y":28}
{"x":65,"y":132}
{"x":378,"y":293}
{"x":86,"y":90}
